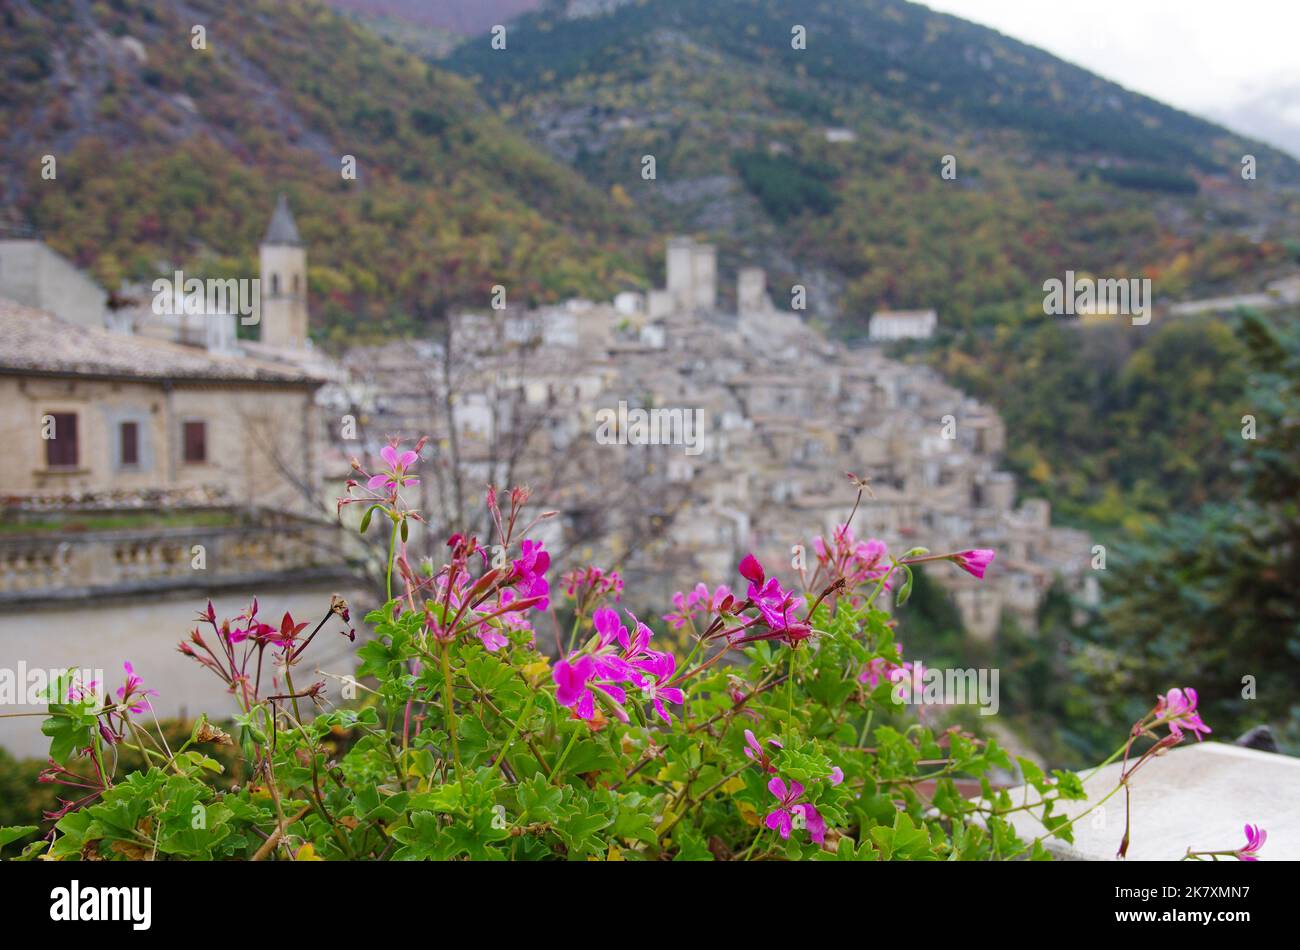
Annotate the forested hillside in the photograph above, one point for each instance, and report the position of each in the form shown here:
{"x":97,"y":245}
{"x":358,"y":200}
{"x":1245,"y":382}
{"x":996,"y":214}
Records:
{"x":171,"y":155}
{"x":1206,"y":597}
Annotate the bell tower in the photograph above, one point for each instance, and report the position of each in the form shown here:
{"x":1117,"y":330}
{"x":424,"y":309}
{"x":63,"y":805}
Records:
{"x":283,"y":281}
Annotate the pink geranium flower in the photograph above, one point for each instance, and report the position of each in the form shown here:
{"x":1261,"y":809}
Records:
{"x":79,"y":691}
{"x":529,"y":571}
{"x":571,"y":685}
{"x":395,"y":475}
{"x":1177,"y":710}
{"x":591,"y":582}
{"x":974,"y":562}
{"x":660,"y":669}
{"x":760,"y":755}
{"x":132,"y":694}
{"x":856,"y":561}
{"x":616,"y":659}
{"x":697,"y":601}
{"x":774,"y":602}
{"x":877,"y":669}
{"x":608,"y":627}
{"x":781,"y":818}
{"x":1255,"y":838}
{"x":751,"y":570}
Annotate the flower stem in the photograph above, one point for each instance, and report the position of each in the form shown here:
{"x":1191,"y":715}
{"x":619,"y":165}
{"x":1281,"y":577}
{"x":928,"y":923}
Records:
{"x":866,"y":727}
{"x":1077,"y":817}
{"x":1109,"y":759}
{"x":528,"y":708}
{"x":789,"y":697}
{"x":880,"y":584}
{"x":449,"y":706}
{"x":392,"y":556}
{"x":555,"y":770}
{"x":573,"y":631}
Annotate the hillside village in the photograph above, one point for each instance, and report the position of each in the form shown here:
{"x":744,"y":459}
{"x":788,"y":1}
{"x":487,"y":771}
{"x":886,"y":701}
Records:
{"x":784,"y":413}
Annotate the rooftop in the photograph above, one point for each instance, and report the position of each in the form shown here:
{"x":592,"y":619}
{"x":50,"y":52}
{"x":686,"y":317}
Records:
{"x":282,"y":229}
{"x":35,"y":342}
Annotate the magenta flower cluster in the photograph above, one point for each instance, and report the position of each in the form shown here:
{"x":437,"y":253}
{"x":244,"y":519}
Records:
{"x":617,"y":658}
{"x":858,"y":562}
{"x":592,"y":584}
{"x":699,"y":602}
{"x":1177,"y":710}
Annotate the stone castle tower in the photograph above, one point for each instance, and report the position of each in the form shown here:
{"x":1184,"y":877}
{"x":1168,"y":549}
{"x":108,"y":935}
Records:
{"x":284,"y":281}
{"x":751,"y":291}
{"x":692,"y":275}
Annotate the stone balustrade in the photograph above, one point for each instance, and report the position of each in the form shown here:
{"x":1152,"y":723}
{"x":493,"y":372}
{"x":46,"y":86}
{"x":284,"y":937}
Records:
{"x":43,"y":563}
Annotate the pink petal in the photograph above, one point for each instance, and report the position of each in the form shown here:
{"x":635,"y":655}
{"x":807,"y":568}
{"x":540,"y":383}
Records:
{"x":779,"y":820}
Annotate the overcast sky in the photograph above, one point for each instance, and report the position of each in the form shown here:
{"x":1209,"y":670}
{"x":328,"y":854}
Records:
{"x":1234,"y":61}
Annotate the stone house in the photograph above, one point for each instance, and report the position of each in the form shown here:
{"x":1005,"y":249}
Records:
{"x":92,"y":411}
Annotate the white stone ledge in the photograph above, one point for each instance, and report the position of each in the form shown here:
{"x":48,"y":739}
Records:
{"x":1198,"y":795}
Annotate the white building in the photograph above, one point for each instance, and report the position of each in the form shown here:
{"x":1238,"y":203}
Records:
{"x":34,"y":275}
{"x":903,"y":324}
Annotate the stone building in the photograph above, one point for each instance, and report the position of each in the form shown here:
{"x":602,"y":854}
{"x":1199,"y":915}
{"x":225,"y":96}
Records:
{"x":91,"y":411}
{"x":35,"y":276}
{"x":153,"y":461}
{"x":889,"y":325}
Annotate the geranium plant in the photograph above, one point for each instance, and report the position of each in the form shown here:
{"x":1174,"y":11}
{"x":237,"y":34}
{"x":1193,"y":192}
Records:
{"x":476,"y":727}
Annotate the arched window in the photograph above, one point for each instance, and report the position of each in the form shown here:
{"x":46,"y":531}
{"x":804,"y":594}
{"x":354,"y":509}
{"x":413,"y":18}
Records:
{"x":275,"y":284}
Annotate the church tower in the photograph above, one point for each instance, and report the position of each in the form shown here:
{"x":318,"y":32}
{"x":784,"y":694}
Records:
{"x":283,"y":282}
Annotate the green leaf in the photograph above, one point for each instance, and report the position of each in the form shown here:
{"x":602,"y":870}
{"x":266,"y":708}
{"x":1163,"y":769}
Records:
{"x":365,"y":519}
{"x":579,"y":832}
{"x":691,"y":845}
{"x":1032,"y":773}
{"x":539,"y":801}
{"x":589,"y":755}
{"x":12,"y":833}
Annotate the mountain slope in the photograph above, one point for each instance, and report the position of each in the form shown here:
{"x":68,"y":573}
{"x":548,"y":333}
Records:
{"x":461,"y":18}
{"x":928,"y":61}
{"x":1056,"y":168}
{"x":172,"y":155}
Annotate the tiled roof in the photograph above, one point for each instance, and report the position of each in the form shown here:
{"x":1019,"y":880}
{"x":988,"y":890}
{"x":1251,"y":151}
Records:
{"x":34,"y":341}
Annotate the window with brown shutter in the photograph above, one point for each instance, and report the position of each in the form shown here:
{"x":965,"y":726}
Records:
{"x":196,"y":442}
{"x":129,"y":433}
{"x":61,"y":450}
